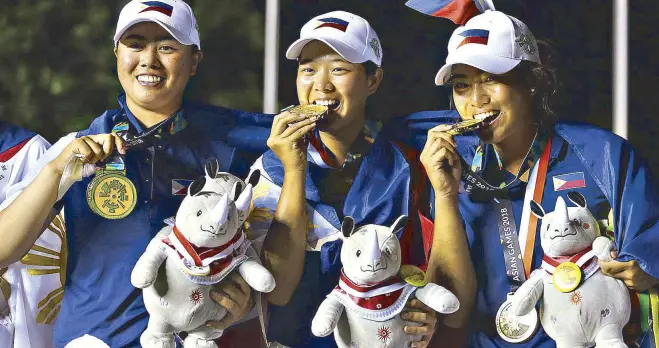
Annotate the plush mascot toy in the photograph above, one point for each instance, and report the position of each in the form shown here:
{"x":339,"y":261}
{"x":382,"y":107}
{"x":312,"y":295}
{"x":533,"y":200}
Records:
{"x":580,"y":305}
{"x":203,"y":246}
{"x":373,"y":292}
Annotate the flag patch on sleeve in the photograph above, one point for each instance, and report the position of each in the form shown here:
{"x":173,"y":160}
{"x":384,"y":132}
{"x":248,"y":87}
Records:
{"x":180,"y":187}
{"x":569,"y":181}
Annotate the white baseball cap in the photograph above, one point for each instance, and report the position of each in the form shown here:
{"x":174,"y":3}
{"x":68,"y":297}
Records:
{"x":175,"y":16}
{"x":348,"y":34}
{"x":493,"y":42}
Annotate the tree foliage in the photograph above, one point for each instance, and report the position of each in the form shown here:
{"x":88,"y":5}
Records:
{"x":59,"y":71}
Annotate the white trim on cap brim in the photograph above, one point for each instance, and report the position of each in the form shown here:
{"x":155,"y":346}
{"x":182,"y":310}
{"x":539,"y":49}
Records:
{"x":175,"y":33}
{"x":487,"y":62}
{"x":294,"y":50}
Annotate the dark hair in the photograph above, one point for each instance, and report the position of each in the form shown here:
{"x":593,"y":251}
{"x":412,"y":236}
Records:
{"x":370,"y":68}
{"x":543,"y":79}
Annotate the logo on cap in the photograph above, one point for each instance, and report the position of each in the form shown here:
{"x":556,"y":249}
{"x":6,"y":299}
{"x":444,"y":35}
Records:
{"x":375,"y":45}
{"x":525,"y":43}
{"x":158,"y":6}
{"x":332,"y":22}
{"x":477,"y":36}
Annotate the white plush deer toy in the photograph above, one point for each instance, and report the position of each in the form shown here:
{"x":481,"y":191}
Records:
{"x":205,"y":244}
{"x":580,"y":305}
{"x":372,"y":293}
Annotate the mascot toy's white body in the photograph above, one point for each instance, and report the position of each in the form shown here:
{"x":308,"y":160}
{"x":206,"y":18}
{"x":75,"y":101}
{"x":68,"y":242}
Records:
{"x":581,"y":307}
{"x":206,"y":243}
{"x":364,"y":310}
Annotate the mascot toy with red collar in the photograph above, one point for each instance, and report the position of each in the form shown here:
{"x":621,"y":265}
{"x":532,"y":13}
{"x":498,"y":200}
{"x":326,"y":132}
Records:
{"x":580,"y":305}
{"x":206,"y":243}
{"x":364,"y":309}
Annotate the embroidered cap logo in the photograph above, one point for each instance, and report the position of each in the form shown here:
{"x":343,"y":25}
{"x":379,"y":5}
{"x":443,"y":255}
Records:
{"x":332,"y":22}
{"x":158,"y":6}
{"x":477,"y":36}
{"x":375,"y":45}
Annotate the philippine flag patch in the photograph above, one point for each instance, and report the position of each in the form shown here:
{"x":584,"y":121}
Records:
{"x":180,"y":187}
{"x":331,"y":22}
{"x":158,"y":6}
{"x":569,"y":181}
{"x":474,"y":36}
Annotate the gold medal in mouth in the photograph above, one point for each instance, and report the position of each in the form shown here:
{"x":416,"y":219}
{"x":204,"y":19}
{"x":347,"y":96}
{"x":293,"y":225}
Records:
{"x":471,"y":125}
{"x":465,"y":127}
{"x":318,"y":112}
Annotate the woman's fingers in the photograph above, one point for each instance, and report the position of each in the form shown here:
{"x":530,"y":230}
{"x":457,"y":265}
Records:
{"x":281,"y":122}
{"x":441,"y":144}
{"x":300,"y":133}
{"x":96,"y":151}
{"x":292,"y":128}
{"x":434,"y":137}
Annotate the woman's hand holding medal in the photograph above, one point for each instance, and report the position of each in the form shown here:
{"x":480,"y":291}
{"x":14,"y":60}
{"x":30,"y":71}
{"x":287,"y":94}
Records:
{"x":89,"y":149}
{"x":441,"y":160}
{"x":288,"y":139}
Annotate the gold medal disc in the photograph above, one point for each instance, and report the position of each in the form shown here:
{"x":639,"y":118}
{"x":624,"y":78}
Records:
{"x":111,"y":195}
{"x":464,"y":127}
{"x":317,"y":111}
{"x":567,"y":277}
{"x":413,"y":275}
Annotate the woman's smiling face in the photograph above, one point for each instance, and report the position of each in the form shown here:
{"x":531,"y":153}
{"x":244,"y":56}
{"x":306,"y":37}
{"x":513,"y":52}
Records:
{"x":326,"y":78}
{"x":477,"y":94}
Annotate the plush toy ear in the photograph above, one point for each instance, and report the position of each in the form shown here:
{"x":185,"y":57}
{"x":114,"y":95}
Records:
{"x":236,"y":190}
{"x":196,"y":186}
{"x":537,"y":210}
{"x":254,"y":177}
{"x":212,"y":168}
{"x":577,"y":198}
{"x":348,"y":226}
{"x":399,"y":224}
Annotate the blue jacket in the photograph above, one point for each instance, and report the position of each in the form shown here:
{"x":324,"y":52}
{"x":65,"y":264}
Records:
{"x":615,"y":177}
{"x":98,"y":297}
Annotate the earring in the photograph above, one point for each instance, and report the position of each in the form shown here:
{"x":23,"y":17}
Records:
{"x":533,"y":90}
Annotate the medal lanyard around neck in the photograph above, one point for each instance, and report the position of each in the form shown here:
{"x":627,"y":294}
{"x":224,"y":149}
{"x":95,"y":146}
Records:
{"x":518,"y":266}
{"x":476,"y":186}
{"x":172,"y":125}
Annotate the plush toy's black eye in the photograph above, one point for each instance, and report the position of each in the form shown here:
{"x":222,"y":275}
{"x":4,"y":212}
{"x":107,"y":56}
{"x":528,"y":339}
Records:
{"x":359,"y":252}
{"x":387,"y":251}
{"x":199,"y":213}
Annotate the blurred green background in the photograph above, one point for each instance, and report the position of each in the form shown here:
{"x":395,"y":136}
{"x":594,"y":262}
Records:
{"x":58,"y":72}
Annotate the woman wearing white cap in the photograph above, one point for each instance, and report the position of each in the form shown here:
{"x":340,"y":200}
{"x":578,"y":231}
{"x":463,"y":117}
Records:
{"x":345,"y":169}
{"x":158,"y":49}
{"x":521,"y":153}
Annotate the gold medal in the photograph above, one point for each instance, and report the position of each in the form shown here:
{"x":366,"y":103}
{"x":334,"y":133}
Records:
{"x":413,"y":275}
{"x":317,"y":111}
{"x":464,"y":127}
{"x":567,"y":277}
{"x":111,"y":195}
{"x":513,"y":328}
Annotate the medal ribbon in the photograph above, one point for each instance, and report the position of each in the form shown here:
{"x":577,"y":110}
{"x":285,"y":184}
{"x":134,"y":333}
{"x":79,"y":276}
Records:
{"x":549,"y":264}
{"x":518,"y":266}
{"x":479,"y":188}
{"x":204,"y":256}
{"x":386,"y":286}
{"x":360,"y":146}
{"x":537,"y":196}
{"x":172,"y":125}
